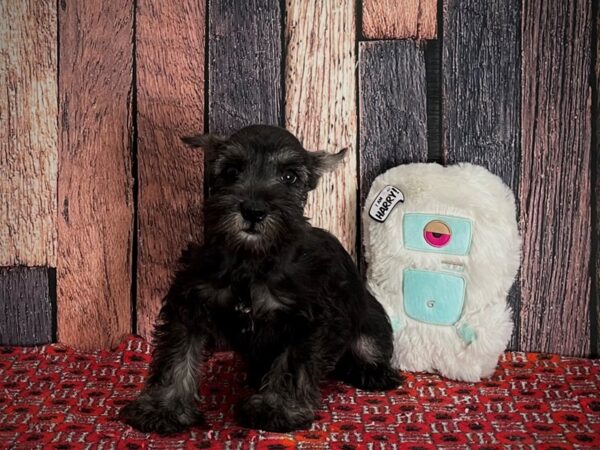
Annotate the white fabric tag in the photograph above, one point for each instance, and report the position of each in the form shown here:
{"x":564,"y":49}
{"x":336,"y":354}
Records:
{"x":385,"y":201}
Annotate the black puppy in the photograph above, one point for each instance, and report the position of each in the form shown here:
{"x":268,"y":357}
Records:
{"x":284,"y":294}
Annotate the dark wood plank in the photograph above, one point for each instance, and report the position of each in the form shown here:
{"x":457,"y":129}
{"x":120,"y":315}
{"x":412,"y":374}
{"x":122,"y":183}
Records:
{"x":28,"y":132}
{"x":433,"y":75}
{"x":393,"y":112}
{"x":481,"y":78}
{"x":320,"y":104}
{"x":596,"y":197}
{"x":170,"y":104}
{"x":481,"y":94}
{"x":555,"y":183}
{"x":244,"y":68}
{"x":393,"y":19}
{"x":25,"y":306}
{"x":95,"y":175}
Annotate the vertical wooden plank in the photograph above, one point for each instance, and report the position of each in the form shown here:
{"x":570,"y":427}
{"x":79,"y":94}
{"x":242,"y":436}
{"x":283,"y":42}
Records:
{"x":28,"y":132}
{"x":170,"y":104}
{"x":25,"y":306}
{"x":481,"y":95}
{"x":596,"y":203}
{"x":244,"y":71}
{"x":480,"y":86}
{"x":320,"y":106}
{"x":95,"y":181}
{"x":399,"y":19}
{"x":393,"y":109}
{"x":555,"y":176}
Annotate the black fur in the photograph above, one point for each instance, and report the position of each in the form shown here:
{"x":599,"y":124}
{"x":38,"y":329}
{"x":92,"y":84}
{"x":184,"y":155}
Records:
{"x":286,"y":295}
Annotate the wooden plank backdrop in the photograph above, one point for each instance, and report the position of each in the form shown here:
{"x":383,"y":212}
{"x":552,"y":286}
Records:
{"x":244,"y":65}
{"x":28,"y":132}
{"x":391,"y":19}
{"x":555,"y":188}
{"x":170,"y":104}
{"x":28,"y":168}
{"x":393,"y":116}
{"x":94,"y":181}
{"x":320,"y":106}
{"x":595,"y":300}
{"x":26,"y":310}
{"x":481,"y":93}
{"x":95,"y":195}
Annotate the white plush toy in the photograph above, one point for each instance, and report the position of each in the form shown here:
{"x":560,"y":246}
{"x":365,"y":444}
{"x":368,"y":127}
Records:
{"x":442,"y":249}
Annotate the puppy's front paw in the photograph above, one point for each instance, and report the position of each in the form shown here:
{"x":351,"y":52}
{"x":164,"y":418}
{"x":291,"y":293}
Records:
{"x":270,"y":412}
{"x":379,"y":378}
{"x":147,"y":415}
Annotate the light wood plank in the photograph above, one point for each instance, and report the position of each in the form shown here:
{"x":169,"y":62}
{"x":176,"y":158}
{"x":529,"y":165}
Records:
{"x":170,"y":104}
{"x":244,"y":70}
{"x":481,"y":94}
{"x":95,"y":178}
{"x":320,"y":104}
{"x":28,"y":132}
{"x":399,"y":19}
{"x":555,"y":182}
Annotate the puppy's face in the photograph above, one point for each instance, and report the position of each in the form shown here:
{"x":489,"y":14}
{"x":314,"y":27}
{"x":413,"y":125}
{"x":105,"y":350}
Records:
{"x":259,"y":179}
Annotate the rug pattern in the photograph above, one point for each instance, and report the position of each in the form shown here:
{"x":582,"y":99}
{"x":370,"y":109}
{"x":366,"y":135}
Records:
{"x":53,"y":397}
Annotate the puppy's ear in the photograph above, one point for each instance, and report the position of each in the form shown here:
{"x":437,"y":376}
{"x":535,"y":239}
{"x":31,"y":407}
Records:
{"x":207,"y":141}
{"x":322,"y":162}
{"x":211,"y":145}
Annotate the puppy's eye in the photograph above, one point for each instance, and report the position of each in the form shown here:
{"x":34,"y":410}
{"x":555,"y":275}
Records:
{"x":231,"y":173}
{"x":289,"y":177}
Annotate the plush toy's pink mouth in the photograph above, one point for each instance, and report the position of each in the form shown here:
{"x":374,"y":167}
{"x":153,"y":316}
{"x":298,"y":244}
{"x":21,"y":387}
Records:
{"x":437,"y":239}
{"x":437,"y":233}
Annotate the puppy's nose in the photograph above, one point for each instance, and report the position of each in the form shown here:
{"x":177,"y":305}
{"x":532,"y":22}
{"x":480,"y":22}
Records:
{"x":254,"y":210}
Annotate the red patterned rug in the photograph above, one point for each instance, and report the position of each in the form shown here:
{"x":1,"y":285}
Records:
{"x":54,"y":397}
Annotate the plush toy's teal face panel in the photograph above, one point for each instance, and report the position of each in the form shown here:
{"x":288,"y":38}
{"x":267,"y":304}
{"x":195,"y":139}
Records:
{"x":433,"y":297}
{"x":436,"y":233}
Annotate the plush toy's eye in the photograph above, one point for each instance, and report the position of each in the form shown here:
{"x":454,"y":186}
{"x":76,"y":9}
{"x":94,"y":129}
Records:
{"x":437,"y":233}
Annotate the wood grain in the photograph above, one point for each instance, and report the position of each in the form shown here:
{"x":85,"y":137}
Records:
{"x":399,"y":19}
{"x":320,"y":106}
{"x":244,"y":68}
{"x":170,"y":104}
{"x":28,"y":132}
{"x":393,"y":110}
{"x":555,"y":176}
{"x":25,"y":306}
{"x":481,"y":93}
{"x":95,"y":179}
{"x":596,"y":204}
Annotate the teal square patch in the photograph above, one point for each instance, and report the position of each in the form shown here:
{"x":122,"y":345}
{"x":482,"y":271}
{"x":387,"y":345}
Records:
{"x":433,"y":297}
{"x":437,"y":233}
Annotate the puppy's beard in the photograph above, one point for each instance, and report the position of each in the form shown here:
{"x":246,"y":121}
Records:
{"x":248,"y":235}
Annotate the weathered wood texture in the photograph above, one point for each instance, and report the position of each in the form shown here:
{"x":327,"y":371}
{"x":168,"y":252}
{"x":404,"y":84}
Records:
{"x":399,"y":19}
{"x":433,"y":76}
{"x":320,"y":104}
{"x":25,"y":306}
{"x":481,"y":93}
{"x":28,"y":132}
{"x":596,"y":205}
{"x":393,"y":110}
{"x":244,"y":69}
{"x":170,"y":104}
{"x":95,"y":179}
{"x":555,"y":176}
{"x":480,"y":86}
